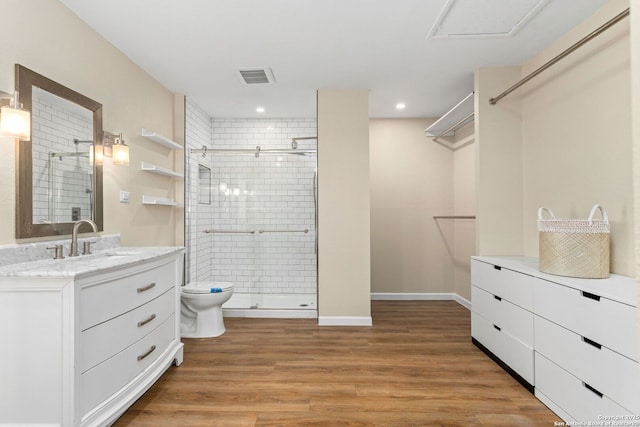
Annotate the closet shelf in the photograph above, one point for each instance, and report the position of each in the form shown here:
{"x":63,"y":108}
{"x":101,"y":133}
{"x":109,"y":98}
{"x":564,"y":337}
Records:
{"x":452,"y":120}
{"x":152,"y":200}
{"x":149,"y":167}
{"x":159,"y":139}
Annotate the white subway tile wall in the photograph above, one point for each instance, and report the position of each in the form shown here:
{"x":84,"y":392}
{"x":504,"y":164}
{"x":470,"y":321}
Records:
{"x":64,"y":182}
{"x":266,"y":201}
{"x":197,"y":134}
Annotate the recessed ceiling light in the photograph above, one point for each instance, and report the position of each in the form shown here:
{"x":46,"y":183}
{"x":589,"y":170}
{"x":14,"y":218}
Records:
{"x":260,"y":109}
{"x":400,"y":106}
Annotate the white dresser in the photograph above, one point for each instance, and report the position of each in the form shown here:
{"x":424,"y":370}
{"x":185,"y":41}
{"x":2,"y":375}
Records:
{"x":573,"y":341}
{"x":85,"y":337}
{"x":502,"y":317}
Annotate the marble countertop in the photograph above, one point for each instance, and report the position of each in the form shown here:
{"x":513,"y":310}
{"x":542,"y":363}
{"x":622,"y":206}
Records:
{"x":87,"y":264}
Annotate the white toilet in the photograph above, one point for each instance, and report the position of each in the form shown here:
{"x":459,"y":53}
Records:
{"x":201,"y":308}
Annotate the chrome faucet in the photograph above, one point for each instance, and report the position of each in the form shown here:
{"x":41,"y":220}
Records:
{"x":74,"y":234}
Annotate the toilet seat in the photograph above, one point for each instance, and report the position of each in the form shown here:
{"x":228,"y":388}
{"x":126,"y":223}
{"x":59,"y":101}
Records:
{"x":207,"y":287}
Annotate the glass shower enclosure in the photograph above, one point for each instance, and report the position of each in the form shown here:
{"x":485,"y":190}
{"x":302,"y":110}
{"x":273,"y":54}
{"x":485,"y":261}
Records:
{"x":251,"y":215}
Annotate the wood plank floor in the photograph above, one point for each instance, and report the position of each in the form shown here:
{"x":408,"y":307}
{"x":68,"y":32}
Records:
{"x":415,"y":367}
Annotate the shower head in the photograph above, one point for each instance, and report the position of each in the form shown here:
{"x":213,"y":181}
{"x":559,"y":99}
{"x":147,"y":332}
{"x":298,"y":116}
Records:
{"x":294,"y":144}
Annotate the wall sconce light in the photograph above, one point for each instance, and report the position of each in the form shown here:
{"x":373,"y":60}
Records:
{"x":115,"y":147}
{"x":14,"y":120}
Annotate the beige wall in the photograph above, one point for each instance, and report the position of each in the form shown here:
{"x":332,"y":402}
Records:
{"x":576,"y":138}
{"x":576,"y":134}
{"x":344,"y":282}
{"x":46,"y":37}
{"x":411,"y":181}
{"x":562,"y":141}
{"x":498,"y":135}
{"x":464,"y":192}
{"x":635,"y":121}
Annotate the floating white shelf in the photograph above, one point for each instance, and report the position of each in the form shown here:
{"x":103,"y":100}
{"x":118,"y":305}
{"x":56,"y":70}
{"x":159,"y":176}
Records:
{"x":455,"y":118}
{"x":159,"y":139}
{"x":149,"y":167}
{"x":152,"y":200}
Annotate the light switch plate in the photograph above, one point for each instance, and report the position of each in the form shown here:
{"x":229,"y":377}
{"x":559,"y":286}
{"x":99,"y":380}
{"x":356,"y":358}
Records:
{"x":125,"y":196}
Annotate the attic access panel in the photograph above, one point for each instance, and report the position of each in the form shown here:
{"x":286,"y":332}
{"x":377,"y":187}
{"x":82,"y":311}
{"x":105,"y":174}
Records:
{"x":484,"y":18}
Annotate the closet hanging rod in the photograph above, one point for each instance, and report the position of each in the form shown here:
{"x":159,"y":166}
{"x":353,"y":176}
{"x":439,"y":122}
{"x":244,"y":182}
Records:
{"x":454,"y":217}
{"x":619,"y":17}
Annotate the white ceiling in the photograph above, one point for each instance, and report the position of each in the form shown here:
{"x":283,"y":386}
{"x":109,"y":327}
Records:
{"x":195,"y":47}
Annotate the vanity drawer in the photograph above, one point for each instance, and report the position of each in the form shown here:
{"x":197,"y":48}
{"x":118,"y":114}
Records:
{"x":572,"y":394}
{"x":511,"y":351}
{"x":101,"y":381}
{"x":106,"y":300}
{"x":608,"y":372}
{"x":108,"y":338}
{"x":609,"y":323}
{"x":507,"y":284}
{"x":512,"y":319}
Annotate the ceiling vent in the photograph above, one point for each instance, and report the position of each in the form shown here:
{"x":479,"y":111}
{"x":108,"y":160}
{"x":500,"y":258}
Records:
{"x":484,"y":18}
{"x":257,"y":75}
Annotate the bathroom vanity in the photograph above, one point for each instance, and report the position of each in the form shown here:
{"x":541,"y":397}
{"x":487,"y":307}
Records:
{"x":84,"y":337}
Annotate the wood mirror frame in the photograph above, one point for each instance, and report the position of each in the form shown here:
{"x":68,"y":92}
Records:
{"x":25,"y":228}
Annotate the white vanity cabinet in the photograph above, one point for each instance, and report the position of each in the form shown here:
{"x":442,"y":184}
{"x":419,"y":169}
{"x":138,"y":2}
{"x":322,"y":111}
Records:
{"x":585,"y":340}
{"x":83,"y":339}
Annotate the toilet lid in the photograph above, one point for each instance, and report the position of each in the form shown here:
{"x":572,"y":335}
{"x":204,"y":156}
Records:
{"x":207,"y":287}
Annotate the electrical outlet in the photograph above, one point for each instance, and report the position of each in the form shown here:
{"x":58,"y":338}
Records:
{"x":125,"y":197}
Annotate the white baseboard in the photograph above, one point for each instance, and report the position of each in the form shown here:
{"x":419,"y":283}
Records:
{"x":462,"y":301}
{"x":423,"y":296}
{"x":344,"y":321}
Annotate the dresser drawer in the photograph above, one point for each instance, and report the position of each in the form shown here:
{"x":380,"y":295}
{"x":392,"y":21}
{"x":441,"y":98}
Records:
{"x":507,"y":284}
{"x":573,"y":395}
{"x":101,"y":381}
{"x":511,"y":351}
{"x":512,"y":319}
{"x":106,"y":300}
{"x":612,"y":374}
{"x":108,"y":338}
{"x":607,"y":322}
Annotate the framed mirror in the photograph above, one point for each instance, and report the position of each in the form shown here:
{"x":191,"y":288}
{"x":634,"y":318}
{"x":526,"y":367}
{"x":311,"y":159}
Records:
{"x":59,"y":179}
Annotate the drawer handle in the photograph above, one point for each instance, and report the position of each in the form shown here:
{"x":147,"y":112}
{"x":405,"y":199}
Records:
{"x":143,"y":356}
{"x":145,"y":321}
{"x":497,"y":297}
{"x":591,"y":342}
{"x":146,"y":288}
{"x":590,"y":296}
{"x":497,"y":267}
{"x":593,"y":390}
{"x":497,"y":327}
